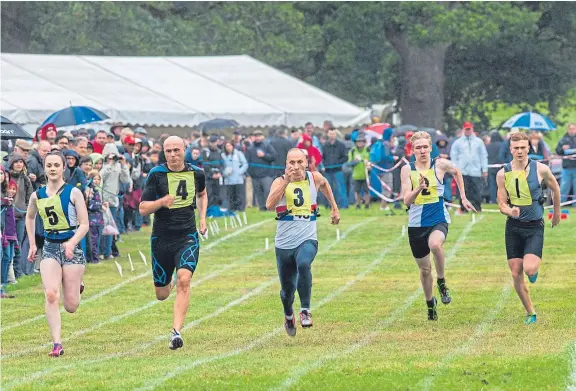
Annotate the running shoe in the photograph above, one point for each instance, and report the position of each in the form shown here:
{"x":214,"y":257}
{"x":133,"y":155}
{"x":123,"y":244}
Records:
{"x":57,"y":350}
{"x":305,"y":319}
{"x":176,"y":341}
{"x":290,"y":325}
{"x":530,"y":319}
{"x":82,"y":287}
{"x":432,"y":314}
{"x":533,"y":278}
{"x":444,"y":293}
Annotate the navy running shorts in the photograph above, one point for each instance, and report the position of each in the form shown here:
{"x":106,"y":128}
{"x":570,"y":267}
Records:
{"x":169,"y":253}
{"x":418,"y":238}
{"x":524,"y":237}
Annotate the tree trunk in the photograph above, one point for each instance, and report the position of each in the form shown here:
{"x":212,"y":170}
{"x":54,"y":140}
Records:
{"x":422,"y":98}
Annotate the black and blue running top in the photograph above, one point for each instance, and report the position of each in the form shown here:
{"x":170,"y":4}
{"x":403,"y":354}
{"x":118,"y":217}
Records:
{"x":179,"y":219}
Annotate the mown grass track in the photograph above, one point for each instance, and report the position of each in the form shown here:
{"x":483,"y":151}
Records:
{"x":370,"y":329}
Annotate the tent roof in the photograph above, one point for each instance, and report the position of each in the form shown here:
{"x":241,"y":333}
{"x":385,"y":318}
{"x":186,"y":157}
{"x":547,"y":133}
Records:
{"x":164,"y":91}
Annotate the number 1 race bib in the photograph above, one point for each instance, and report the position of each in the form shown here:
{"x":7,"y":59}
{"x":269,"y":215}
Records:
{"x":181,"y":185}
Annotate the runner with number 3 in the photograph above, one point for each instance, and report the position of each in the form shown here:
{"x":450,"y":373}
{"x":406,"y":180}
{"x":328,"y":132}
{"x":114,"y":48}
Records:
{"x":293,"y":196}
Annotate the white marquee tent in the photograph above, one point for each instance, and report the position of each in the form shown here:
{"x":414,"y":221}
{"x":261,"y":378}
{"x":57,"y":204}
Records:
{"x":165,"y":91}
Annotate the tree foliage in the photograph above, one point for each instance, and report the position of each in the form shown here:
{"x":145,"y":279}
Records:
{"x":505,"y":52}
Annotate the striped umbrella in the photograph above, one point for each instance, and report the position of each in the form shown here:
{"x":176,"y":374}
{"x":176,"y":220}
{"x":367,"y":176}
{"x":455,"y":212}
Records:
{"x":532,"y":121}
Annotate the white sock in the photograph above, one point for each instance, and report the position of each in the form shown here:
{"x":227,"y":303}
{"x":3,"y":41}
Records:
{"x":304,"y":309}
{"x":289,"y":317}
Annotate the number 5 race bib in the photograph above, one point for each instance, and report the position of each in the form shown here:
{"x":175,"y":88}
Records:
{"x":181,"y":185}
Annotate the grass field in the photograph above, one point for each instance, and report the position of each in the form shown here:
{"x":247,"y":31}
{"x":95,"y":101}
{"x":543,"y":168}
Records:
{"x":370,"y":329}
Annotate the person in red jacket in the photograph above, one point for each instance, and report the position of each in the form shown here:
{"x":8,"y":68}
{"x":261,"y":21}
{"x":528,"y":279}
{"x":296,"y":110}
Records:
{"x":313,"y":153}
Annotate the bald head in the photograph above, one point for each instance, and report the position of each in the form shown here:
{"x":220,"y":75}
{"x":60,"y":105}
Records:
{"x":296,"y":163}
{"x":295,"y":153}
{"x":174,"y":149}
{"x":174,"y":140}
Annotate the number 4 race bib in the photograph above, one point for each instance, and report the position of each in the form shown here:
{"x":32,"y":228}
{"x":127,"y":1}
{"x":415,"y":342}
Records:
{"x":181,"y":185}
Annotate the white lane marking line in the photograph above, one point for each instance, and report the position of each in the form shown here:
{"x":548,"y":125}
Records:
{"x":334,"y":294}
{"x":132,"y":279}
{"x":302,"y":371}
{"x":39,"y":374}
{"x":134,"y":311}
{"x":465,"y":347}
{"x":139,"y":348}
{"x":572,"y":376}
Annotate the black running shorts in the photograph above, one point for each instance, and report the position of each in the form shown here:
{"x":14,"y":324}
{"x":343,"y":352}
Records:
{"x":524,"y":238}
{"x":169,"y":253}
{"x":418,"y":238}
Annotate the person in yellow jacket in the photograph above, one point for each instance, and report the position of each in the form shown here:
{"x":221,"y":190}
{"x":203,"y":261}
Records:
{"x":357,"y":158}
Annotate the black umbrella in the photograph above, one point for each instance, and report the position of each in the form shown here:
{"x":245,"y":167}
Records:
{"x":403,"y":129}
{"x":10,"y":130}
{"x":217,"y":124}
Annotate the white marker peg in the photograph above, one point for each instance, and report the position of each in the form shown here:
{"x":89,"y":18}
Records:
{"x":266,"y":245}
{"x":232,"y":222}
{"x":225,"y":224}
{"x":337,"y":233}
{"x":130,"y":260}
{"x":119,"y":268}
{"x":239,"y":221}
{"x":217,"y":226}
{"x":403,"y":230}
{"x":245,"y":219}
{"x":473,"y":218}
{"x":143,"y":258}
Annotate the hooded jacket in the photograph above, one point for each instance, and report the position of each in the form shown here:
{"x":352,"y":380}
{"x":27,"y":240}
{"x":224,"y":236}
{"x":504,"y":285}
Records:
{"x":314,"y":154}
{"x":25,"y":188}
{"x":74,"y":175}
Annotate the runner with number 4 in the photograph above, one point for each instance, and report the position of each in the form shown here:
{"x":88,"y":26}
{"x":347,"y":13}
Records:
{"x":170,"y":193}
{"x":63,"y":211}
{"x":293,"y":196}
{"x":520,"y":198}
{"x":428,"y":218}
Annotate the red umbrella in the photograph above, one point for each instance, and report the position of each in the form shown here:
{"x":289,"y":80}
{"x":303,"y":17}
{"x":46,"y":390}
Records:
{"x":376,"y":131}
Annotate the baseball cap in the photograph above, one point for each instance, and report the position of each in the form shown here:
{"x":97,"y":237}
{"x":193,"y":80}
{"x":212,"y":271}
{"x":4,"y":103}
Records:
{"x":213,"y":138}
{"x":468,"y":125}
{"x":129,"y":139}
{"x":258,"y":133}
{"x":141,"y":130}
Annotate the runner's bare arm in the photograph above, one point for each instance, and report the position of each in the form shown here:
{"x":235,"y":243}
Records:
{"x":202,"y":203}
{"x":31,"y":219}
{"x":409,"y":194}
{"x":449,"y":168}
{"x":550,"y":181}
{"x":325,"y":188}
{"x":276,"y":192}
{"x":81,"y":216}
